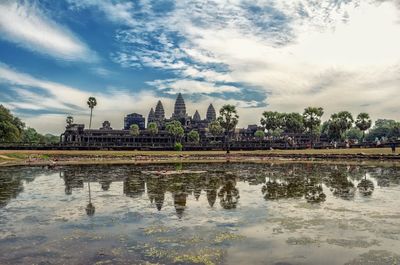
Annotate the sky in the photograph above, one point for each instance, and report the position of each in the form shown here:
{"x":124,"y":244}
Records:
{"x":280,"y":55}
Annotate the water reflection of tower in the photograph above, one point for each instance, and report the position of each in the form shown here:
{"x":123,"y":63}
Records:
{"x":229,"y":194}
{"x":156,"y":188}
{"x":195,"y":185}
{"x":134,"y":186}
{"x":179,"y":192}
{"x":211,"y":187}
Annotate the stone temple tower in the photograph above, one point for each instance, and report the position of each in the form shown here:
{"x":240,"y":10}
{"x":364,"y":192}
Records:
{"x":180,"y":108}
{"x":159,"y":114}
{"x":196,"y":116}
{"x":151,"y":117}
{"x":211,"y":115}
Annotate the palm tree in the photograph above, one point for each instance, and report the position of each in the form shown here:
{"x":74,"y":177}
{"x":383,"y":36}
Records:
{"x":69,"y":120}
{"x":134,"y":130}
{"x":153,"y":129}
{"x":90,"y":209}
{"x":91,"y":103}
{"x":363,"y":122}
{"x":312,"y":120}
{"x":228,"y":119}
{"x":260,"y":134}
{"x":175,"y":129}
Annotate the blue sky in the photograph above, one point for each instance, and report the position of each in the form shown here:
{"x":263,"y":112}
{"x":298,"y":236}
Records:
{"x":258,"y":55}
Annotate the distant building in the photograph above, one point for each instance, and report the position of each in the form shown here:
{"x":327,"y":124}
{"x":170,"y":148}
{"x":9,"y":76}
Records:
{"x":134,"y":118}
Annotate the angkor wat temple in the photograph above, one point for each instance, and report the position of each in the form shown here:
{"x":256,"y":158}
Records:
{"x":77,"y":136}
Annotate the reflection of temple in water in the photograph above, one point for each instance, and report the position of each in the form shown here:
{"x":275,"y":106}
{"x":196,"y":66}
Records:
{"x":218,"y":186}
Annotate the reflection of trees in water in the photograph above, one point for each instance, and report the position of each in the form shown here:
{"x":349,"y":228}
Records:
{"x":229,"y":194}
{"x":273,"y":190}
{"x":340,"y":185}
{"x":385,"y":176}
{"x":12,"y":182}
{"x":294,"y":182}
{"x":313,"y":191}
{"x":10,"y":187}
{"x":366,"y":187}
{"x":283,"y":181}
{"x":105,"y":184}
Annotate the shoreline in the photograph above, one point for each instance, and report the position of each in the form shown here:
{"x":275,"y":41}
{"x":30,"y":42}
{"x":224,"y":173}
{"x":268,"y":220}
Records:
{"x":60,"y":158}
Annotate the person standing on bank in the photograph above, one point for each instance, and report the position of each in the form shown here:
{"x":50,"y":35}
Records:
{"x":393,"y":146}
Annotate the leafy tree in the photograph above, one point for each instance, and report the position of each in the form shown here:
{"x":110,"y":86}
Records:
{"x":271,"y":120}
{"x":51,"y":139}
{"x":134,"y":130}
{"x":69,"y":120}
{"x":215,"y":128}
{"x":30,"y":135}
{"x":194,"y":136}
{"x":338,"y":124}
{"x":363,"y":122}
{"x":259,"y":134}
{"x":152,"y":128}
{"x":384,"y":128}
{"x":354,"y":133}
{"x":312,"y":120}
{"x":228,"y":119}
{"x":175,"y":129}
{"x":92,"y":102}
{"x":292,"y":122}
{"x":11,"y":127}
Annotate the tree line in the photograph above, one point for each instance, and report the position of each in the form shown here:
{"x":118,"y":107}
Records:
{"x":12,"y":129}
{"x":338,"y":127}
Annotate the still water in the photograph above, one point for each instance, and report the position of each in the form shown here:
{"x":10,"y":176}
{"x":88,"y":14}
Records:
{"x":218,"y":213}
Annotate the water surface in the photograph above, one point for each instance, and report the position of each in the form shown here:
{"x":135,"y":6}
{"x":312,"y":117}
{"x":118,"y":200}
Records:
{"x":219,"y":213}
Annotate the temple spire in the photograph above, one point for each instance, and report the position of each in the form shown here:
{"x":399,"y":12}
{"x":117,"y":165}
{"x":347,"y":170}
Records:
{"x":180,"y":107}
{"x":159,"y":114}
{"x":211,"y":115}
{"x":151,"y":117}
{"x":196,"y":116}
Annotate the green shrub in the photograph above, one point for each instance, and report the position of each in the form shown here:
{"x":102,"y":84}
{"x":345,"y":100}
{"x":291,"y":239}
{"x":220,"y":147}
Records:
{"x":178,"y":147}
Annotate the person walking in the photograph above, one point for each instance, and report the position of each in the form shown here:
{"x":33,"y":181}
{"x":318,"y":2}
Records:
{"x":393,"y":146}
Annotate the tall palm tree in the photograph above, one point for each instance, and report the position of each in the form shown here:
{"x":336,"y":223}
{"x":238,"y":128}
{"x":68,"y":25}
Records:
{"x":92,"y":102}
{"x":152,"y":128}
{"x":312,"y":120}
{"x":228,"y":120}
{"x":363,"y":122}
{"x":69,"y":120}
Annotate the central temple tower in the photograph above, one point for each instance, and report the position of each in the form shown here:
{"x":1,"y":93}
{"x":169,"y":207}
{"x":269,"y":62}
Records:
{"x":179,"y":108}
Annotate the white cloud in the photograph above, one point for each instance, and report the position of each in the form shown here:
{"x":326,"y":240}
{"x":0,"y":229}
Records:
{"x":344,"y":55}
{"x":119,"y":12}
{"x":113,"y":104}
{"x":188,"y":86}
{"x":30,"y":28}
